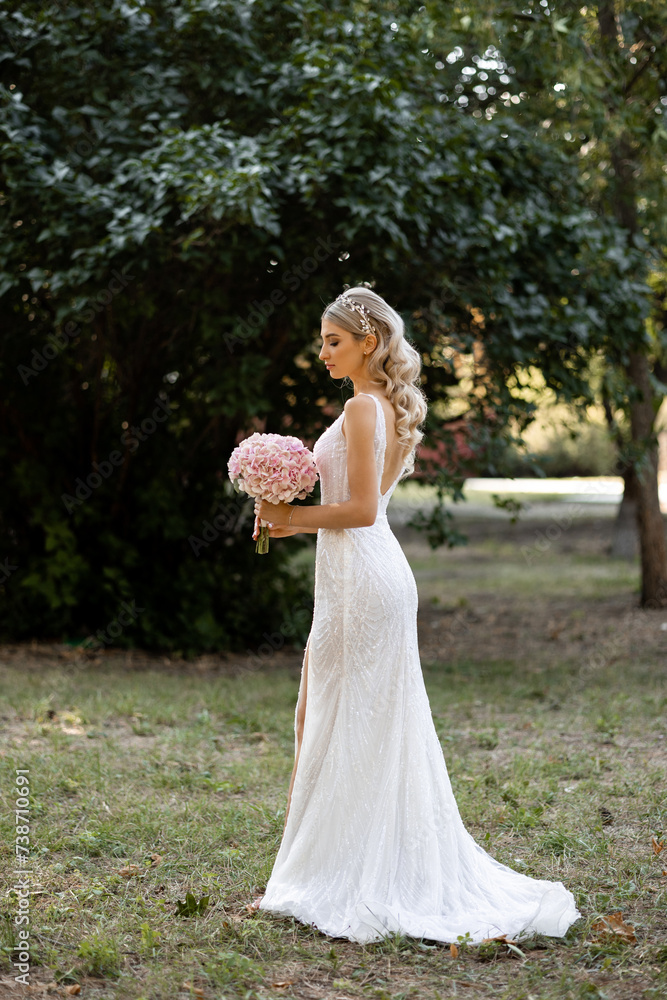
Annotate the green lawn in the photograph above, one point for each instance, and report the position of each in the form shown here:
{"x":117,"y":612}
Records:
{"x":557,"y":758}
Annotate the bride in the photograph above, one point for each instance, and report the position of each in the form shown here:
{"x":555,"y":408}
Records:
{"x":373,"y":842}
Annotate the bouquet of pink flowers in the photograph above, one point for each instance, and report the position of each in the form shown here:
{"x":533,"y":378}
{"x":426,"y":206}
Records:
{"x":273,"y":467}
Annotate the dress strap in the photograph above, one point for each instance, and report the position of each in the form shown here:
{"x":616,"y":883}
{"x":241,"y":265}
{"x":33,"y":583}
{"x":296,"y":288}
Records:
{"x":372,"y":397}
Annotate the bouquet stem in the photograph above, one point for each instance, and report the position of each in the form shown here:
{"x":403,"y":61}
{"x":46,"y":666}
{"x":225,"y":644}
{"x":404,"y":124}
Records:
{"x":262,"y":543}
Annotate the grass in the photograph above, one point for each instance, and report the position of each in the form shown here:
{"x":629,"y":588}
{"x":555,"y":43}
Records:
{"x":150,"y":781}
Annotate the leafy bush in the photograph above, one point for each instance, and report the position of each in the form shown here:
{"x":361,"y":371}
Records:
{"x":183,"y":186}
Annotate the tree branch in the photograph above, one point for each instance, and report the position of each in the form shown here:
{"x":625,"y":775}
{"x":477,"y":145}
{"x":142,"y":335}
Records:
{"x":640,"y":69}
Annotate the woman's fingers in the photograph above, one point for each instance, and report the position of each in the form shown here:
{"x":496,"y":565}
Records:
{"x":257,"y":519}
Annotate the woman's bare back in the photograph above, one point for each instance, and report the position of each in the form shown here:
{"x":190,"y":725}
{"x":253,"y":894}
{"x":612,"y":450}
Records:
{"x":395,"y":454}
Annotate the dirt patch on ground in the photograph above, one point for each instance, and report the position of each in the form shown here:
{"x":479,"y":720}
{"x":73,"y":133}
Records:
{"x":547,"y":631}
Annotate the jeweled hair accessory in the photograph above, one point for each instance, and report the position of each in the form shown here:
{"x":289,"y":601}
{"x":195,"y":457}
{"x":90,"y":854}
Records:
{"x":366,"y":324}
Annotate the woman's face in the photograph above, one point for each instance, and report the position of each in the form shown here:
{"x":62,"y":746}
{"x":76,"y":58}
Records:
{"x":342,"y":353}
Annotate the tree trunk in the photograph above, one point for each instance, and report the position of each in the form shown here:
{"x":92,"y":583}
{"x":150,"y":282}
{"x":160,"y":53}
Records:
{"x":625,"y":538}
{"x":652,"y":542}
{"x":625,"y":533}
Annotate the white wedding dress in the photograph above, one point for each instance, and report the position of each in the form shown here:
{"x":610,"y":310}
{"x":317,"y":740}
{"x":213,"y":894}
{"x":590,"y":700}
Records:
{"x":374,"y":842}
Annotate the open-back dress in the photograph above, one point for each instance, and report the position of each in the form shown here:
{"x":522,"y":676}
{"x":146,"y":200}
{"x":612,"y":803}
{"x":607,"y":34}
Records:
{"x":374,"y":842}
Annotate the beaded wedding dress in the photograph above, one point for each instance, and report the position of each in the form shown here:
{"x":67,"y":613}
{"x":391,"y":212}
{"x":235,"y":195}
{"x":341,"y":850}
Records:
{"x":374,"y":842}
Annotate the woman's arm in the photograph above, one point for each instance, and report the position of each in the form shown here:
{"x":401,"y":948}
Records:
{"x":283,"y":532}
{"x":360,"y":510}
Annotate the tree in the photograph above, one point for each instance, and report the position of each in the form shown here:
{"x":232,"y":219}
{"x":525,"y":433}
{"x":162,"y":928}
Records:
{"x":169,"y":238}
{"x":594,"y":78}
{"x":647,"y":37}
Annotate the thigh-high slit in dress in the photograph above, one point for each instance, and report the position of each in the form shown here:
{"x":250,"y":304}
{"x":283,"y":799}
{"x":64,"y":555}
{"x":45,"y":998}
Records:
{"x":374,"y":842}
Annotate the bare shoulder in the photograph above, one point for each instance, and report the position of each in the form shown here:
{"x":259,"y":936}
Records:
{"x":359,"y":404}
{"x":360,"y":413}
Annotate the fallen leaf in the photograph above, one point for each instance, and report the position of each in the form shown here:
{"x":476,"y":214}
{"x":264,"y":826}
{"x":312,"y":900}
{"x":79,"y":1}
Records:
{"x":195,"y":990}
{"x":129,"y":870}
{"x":454,"y":951}
{"x":283,"y":984}
{"x":511,"y":945}
{"x":500,"y":937}
{"x":73,"y":990}
{"x":658,"y":845}
{"x":613,"y":924}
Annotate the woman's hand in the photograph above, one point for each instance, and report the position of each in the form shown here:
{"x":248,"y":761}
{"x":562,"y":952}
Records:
{"x":275,"y":532}
{"x":266,"y":511}
{"x":276,"y":514}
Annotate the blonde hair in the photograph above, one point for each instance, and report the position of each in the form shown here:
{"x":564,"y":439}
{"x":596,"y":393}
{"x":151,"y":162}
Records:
{"x":393,"y":362}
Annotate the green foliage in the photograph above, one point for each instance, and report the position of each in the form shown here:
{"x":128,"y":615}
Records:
{"x":509,"y":505}
{"x":191,"y":907}
{"x":438,"y":525}
{"x":170,"y":231}
{"x":591,"y":80}
{"x":100,"y":955}
{"x":150,"y":939}
{"x":233,"y":969}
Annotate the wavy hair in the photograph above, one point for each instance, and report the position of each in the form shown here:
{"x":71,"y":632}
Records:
{"x":393,"y":362}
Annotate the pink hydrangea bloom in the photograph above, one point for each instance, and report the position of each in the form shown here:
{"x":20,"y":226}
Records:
{"x":273,"y":467}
